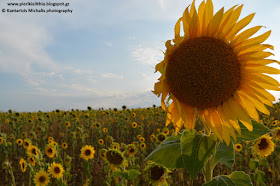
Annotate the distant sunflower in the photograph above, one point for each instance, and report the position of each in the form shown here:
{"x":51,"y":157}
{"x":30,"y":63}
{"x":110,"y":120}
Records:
{"x":165,"y":131}
{"x":264,"y":146}
{"x":277,"y":133}
{"x":56,"y":170}
{"x":134,"y":124}
{"x":64,"y":145}
{"x":1,"y":140}
{"x":32,"y":150}
{"x":41,"y":178}
{"x":238,"y":147}
{"x":275,"y":122}
{"x":133,"y":114}
{"x":26,"y":143}
{"x":142,"y":139}
{"x":50,"y":151}
{"x":160,"y":137}
{"x":67,"y":159}
{"x":22,"y":164}
{"x":105,"y":130}
{"x":87,"y":152}
{"x":115,"y":145}
{"x":139,"y":136}
{"x":142,"y":146}
{"x":100,"y":141}
{"x":19,"y":142}
{"x":102,"y":154}
{"x":216,"y":71}
{"x":31,"y":160}
{"x":131,"y":150}
{"x":67,"y":124}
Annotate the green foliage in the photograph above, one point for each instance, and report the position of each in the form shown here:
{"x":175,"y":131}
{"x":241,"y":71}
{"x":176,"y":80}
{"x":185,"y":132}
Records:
{"x":237,"y":178}
{"x":258,"y":131}
{"x":128,"y":174}
{"x":253,"y":164}
{"x":224,"y":154}
{"x":190,"y":151}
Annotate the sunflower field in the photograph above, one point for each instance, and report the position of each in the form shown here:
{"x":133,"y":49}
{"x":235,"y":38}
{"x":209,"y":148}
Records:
{"x":110,"y":147}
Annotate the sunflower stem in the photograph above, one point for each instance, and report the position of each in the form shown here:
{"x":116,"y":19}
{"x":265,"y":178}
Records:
{"x":208,"y":173}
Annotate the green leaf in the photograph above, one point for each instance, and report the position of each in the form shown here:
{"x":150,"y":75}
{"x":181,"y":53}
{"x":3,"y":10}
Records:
{"x":258,"y":131}
{"x":190,"y":151}
{"x":132,"y":174}
{"x":237,"y":178}
{"x":253,"y":164}
{"x":224,"y":154}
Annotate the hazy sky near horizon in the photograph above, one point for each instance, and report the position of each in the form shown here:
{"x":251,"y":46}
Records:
{"x":102,"y":54}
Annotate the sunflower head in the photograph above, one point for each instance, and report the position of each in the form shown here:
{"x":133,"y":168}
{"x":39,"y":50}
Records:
{"x":160,"y":137}
{"x":64,"y":145}
{"x":155,"y":173}
{"x":32,"y":150}
{"x":102,"y":154}
{"x":238,"y":147}
{"x":100,"y":141}
{"x":134,"y":124}
{"x":216,"y":71}
{"x":277,"y":133}
{"x":87,"y":152}
{"x":50,"y":151}
{"x":67,"y":159}
{"x":142,"y":146}
{"x":31,"y":160}
{"x":114,"y":157}
{"x":41,"y":178}
{"x":264,"y":146}
{"x":131,"y":150}
{"x":22,"y":164}
{"x":275,"y":122}
{"x":142,"y":139}
{"x":56,"y":170}
{"x":115,"y":145}
{"x":19,"y":142}
{"x":26,"y":143}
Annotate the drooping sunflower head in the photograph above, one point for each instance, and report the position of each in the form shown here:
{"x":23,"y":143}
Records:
{"x":114,"y":157}
{"x":160,"y":137}
{"x":216,"y":71}
{"x":277,"y":133}
{"x":56,"y":170}
{"x":102,"y":154}
{"x":41,"y":178}
{"x":67,"y":159}
{"x":264,"y":146}
{"x":155,"y":173}
{"x":238,"y":147}
{"x":87,"y":152}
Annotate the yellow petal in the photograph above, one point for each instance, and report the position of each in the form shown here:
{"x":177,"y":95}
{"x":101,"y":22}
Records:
{"x":258,"y":62}
{"x":240,"y":25}
{"x":262,"y":69}
{"x":256,"y":40}
{"x":247,"y":106}
{"x":254,"y":56}
{"x":186,"y":18}
{"x":245,"y":35}
{"x":194,"y":25}
{"x":262,"y":78}
{"x":214,"y":23}
{"x":232,"y":20}
{"x":226,"y":125}
{"x":240,"y":113}
{"x":201,"y":10}
{"x":177,"y":30}
{"x":189,"y":115}
{"x":208,"y":14}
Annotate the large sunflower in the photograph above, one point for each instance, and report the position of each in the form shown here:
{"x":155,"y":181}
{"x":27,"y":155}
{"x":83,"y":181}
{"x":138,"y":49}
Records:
{"x":216,"y":71}
{"x":41,"y":178}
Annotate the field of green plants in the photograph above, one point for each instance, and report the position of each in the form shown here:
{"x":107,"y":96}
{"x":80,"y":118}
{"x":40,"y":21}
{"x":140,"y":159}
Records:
{"x":110,"y":147}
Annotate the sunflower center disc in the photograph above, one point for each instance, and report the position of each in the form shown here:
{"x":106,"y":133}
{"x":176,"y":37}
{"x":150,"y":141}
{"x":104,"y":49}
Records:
{"x":203,"y":72}
{"x":263,"y":144}
{"x":42,"y":179}
{"x":87,"y":152}
{"x":57,"y":170}
{"x":156,"y":172}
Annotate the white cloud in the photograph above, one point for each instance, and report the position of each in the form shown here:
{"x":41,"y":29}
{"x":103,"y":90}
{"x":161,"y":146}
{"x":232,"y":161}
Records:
{"x":112,"y":76}
{"x":147,"y":55}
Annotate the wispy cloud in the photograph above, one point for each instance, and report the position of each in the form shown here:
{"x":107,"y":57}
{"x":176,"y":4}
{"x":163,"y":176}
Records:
{"x":147,"y":55}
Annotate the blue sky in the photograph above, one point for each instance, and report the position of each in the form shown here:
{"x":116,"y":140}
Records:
{"x":101,"y":55}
